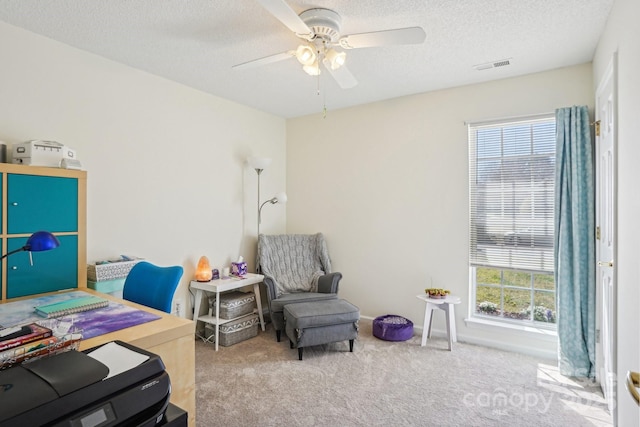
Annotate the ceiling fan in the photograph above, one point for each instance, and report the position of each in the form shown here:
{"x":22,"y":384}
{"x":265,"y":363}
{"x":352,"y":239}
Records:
{"x":322,"y":42}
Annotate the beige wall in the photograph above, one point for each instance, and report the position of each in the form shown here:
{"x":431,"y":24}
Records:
{"x":622,"y":35}
{"x":166,"y":173}
{"x":388,"y":185}
{"x":386,"y":182}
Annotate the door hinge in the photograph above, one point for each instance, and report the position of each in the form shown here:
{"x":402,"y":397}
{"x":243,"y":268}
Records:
{"x":597,"y":336}
{"x":596,"y":127}
{"x":598,"y":233}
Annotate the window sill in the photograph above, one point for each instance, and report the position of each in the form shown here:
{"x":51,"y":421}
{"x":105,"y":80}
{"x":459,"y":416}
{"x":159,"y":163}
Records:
{"x":540,"y":333}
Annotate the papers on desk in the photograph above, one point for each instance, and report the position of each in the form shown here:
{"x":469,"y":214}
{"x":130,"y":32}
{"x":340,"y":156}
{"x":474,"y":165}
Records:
{"x":117,"y":358}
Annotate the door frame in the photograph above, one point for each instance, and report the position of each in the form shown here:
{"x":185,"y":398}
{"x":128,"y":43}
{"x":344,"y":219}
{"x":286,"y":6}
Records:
{"x":610,"y":77}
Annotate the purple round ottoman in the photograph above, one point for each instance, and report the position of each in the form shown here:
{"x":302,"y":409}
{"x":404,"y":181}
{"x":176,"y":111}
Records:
{"x":392,"y":328}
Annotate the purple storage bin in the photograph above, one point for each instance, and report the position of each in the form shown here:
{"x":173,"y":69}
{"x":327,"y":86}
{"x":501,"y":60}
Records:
{"x":392,"y":328}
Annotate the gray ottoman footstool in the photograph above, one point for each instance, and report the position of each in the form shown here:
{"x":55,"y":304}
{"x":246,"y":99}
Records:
{"x":321,"y":322}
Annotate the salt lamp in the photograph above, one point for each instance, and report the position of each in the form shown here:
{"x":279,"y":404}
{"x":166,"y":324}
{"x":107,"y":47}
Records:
{"x":203,"y":270}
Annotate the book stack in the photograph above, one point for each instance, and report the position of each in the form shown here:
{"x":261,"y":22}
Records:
{"x":20,"y":335}
{"x":20,"y":340}
{"x":31,"y":341}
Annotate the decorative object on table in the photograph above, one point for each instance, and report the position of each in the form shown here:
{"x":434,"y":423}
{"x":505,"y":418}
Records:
{"x":233,"y":304}
{"x":151,"y":285}
{"x":38,"y":242}
{"x":215,"y":274}
{"x":236,"y":331}
{"x":436,"y":293}
{"x":203,"y":270}
{"x":392,"y":327}
{"x":296,"y":268}
{"x":225,"y":273}
{"x":260,"y":164}
{"x":117,"y":268}
{"x":239,"y":268}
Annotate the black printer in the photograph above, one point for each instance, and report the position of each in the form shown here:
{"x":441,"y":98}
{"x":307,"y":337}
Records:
{"x":71,"y":389}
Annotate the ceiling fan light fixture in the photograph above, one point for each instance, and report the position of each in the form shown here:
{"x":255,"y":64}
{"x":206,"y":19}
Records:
{"x":335,"y":59}
{"x":306,"y":55}
{"x":312,"y":69}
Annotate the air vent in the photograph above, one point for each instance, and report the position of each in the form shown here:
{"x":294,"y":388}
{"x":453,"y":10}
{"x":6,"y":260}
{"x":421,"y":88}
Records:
{"x":494,"y":64}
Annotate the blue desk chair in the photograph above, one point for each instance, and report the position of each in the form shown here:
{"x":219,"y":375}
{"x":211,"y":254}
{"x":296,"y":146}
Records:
{"x":153,"y":286}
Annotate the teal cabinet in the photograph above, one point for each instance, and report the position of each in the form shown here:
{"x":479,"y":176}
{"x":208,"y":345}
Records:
{"x":51,"y":270}
{"x":41,"y":203}
{"x":49,"y":199}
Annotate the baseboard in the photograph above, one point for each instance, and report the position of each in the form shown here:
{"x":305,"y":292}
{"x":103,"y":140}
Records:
{"x":500,"y":345}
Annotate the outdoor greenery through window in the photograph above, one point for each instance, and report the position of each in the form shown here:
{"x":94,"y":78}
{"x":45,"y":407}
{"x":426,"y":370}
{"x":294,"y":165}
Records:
{"x":511,"y":201}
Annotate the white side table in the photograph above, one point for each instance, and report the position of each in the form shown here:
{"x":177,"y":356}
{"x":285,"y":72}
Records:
{"x":223,"y":285}
{"x":445,"y":304}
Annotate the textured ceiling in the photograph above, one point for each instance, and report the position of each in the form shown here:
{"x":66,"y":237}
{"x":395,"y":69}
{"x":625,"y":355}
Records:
{"x":196,"y":43}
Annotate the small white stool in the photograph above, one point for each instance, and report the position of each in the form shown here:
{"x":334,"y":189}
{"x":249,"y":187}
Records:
{"x":445,"y":304}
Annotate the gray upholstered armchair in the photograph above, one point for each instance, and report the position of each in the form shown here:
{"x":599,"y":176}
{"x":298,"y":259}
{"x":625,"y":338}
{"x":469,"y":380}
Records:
{"x":296,"y":268}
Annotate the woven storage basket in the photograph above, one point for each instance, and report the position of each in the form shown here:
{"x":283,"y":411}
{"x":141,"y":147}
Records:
{"x":234,"y":304}
{"x":238,"y":330}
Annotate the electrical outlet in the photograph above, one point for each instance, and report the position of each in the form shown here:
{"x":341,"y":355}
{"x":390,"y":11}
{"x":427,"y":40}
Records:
{"x":178,"y":308}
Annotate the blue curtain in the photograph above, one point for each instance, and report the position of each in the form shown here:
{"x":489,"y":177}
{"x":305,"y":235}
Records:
{"x":575,"y":243}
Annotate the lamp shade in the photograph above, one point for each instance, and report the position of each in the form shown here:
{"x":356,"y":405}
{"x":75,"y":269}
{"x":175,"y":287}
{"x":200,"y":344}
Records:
{"x":259,"y":162}
{"x":281,"y":198}
{"x":312,"y":69}
{"x":41,"y":241}
{"x":305,"y":54}
{"x":335,"y":59}
{"x":37,"y":242}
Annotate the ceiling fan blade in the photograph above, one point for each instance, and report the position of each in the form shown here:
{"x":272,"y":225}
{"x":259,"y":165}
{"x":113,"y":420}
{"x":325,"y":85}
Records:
{"x":342,"y":76}
{"x":265,"y":60}
{"x":410,"y":35}
{"x":281,"y":10}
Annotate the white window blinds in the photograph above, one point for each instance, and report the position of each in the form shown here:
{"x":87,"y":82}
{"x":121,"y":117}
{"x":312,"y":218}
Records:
{"x":511,"y":182}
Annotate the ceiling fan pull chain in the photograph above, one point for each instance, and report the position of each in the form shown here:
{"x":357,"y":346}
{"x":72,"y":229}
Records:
{"x":324,"y":105}
{"x":324,"y":97}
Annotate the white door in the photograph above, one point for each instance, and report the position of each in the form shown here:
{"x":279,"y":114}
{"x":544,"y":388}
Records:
{"x":605,"y":130}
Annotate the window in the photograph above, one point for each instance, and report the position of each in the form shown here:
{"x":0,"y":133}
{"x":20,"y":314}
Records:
{"x":511,"y":182}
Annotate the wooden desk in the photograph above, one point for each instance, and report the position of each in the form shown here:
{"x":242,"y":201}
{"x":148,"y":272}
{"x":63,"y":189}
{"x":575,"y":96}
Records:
{"x":169,"y":337}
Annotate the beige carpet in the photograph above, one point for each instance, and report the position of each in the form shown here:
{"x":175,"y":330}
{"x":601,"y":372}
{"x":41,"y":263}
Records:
{"x":260,"y":382}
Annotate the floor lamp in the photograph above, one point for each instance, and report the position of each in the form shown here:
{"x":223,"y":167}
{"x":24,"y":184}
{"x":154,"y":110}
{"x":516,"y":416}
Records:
{"x":260,"y":164}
